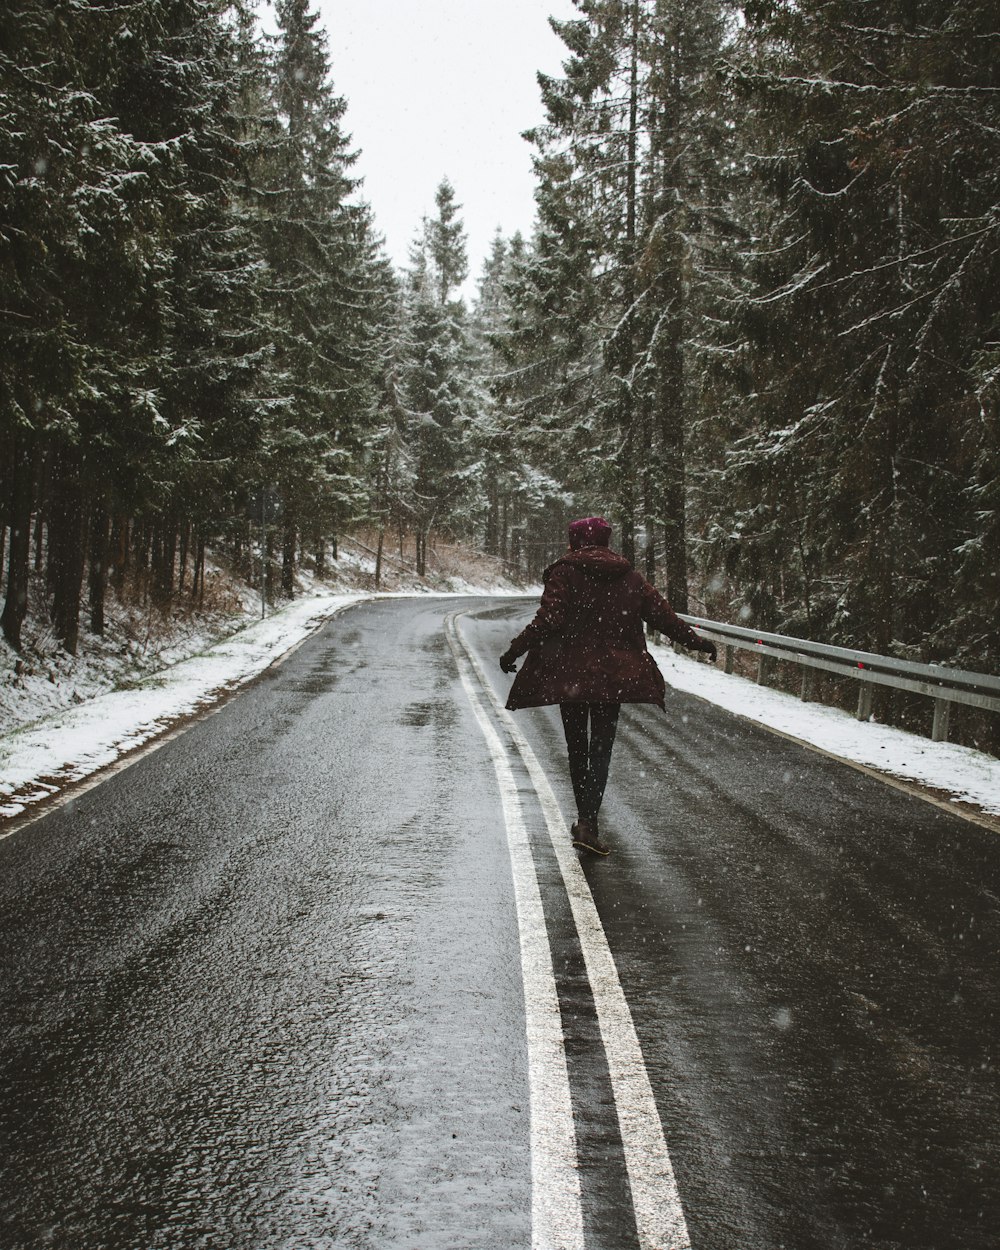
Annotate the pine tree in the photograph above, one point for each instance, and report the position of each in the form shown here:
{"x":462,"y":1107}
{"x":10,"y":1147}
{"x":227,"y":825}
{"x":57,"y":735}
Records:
{"x":315,"y":242}
{"x":627,"y":199}
{"x":873,"y":319}
{"x":436,"y":375}
{"x":74,"y":258}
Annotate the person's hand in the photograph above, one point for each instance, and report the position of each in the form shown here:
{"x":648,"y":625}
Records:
{"x":507,"y":662}
{"x":708,"y":646}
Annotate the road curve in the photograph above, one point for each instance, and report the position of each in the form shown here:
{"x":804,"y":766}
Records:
{"x":266,"y":987}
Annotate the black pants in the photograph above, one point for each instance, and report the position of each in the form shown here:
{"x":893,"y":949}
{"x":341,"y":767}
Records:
{"x":589,"y":751}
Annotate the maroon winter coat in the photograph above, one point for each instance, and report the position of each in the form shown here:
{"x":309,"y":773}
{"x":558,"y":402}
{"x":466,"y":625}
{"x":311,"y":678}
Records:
{"x":586,"y":643}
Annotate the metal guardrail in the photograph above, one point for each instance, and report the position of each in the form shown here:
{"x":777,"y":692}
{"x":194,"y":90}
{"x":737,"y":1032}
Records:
{"x":944,"y":685}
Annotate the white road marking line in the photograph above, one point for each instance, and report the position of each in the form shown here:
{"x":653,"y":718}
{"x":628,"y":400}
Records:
{"x":556,"y":1213}
{"x":659,"y":1215}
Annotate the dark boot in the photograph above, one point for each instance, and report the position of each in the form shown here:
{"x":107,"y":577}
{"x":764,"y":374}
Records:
{"x":584,"y":834}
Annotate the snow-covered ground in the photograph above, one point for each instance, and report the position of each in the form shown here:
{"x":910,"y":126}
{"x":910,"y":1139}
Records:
{"x":964,"y":775}
{"x":43,"y":757}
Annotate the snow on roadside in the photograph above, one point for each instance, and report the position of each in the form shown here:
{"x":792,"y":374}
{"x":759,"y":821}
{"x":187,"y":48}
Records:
{"x":42,"y":758}
{"x":968,"y":776}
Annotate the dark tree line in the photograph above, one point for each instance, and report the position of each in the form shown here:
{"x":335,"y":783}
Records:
{"x":756,"y":322}
{"x":190,"y":296}
{"x":759,"y":318}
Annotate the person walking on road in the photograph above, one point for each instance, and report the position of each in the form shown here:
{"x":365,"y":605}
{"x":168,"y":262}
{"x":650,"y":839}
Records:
{"x":586,"y":651}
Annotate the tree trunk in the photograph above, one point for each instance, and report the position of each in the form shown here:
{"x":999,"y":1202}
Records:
{"x":165,"y":566}
{"x":19,"y":518}
{"x":39,"y":536}
{"x":668,"y":362}
{"x":100,"y":527}
{"x":118,"y":553}
{"x":198,"y":576}
{"x":674,"y":507}
{"x":41,"y":504}
{"x":378,"y":558}
{"x":626,"y":348}
{"x":268,"y":557}
{"x":288,"y":545}
{"x":142,"y":543}
{"x":490,"y":539}
{"x":67,"y":528}
{"x":183,"y":555}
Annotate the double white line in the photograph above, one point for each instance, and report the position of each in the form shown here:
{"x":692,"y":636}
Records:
{"x":557,"y":1219}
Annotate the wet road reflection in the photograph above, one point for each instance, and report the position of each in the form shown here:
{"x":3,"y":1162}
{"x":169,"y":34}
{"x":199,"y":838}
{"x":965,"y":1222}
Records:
{"x":810,"y":959}
{"x":263,"y":988}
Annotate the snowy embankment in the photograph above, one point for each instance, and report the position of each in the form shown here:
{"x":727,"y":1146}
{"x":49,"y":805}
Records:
{"x":44,"y":757}
{"x":964,"y":775}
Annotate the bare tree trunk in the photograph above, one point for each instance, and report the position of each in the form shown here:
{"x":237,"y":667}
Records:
{"x":268,"y":558}
{"x":625,"y":363}
{"x":41,"y":505}
{"x":183,"y":555}
{"x":19,"y":518}
{"x":378,"y":558}
{"x":491,"y":542}
{"x":118,"y":552}
{"x":99,"y":541}
{"x":67,"y":527}
{"x":198,"y":576}
{"x":289,"y":536}
{"x":39,"y":536}
{"x":166,"y":554}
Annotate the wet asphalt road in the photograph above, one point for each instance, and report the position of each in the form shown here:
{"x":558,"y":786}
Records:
{"x":262,"y":989}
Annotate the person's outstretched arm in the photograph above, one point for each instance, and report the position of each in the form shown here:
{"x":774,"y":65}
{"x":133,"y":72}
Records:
{"x":655,"y":611}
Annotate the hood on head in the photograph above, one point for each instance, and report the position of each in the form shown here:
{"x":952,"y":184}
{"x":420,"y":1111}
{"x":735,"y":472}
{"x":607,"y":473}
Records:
{"x":597,"y":562}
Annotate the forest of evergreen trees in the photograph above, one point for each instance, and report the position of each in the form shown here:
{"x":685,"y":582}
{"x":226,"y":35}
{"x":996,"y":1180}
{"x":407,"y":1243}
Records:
{"x":757,"y":324}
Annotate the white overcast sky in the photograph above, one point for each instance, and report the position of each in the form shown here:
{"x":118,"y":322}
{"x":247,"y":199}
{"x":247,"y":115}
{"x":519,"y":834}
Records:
{"x":444,"y":88}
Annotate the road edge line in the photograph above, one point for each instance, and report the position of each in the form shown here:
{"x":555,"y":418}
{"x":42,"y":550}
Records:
{"x":659,"y":1214}
{"x":556,"y":1210}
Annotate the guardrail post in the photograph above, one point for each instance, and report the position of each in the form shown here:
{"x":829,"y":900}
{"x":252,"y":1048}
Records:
{"x":865,"y":695}
{"x":730,"y":653}
{"x":806,"y":689}
{"x":763,"y":668}
{"x":939,"y":730}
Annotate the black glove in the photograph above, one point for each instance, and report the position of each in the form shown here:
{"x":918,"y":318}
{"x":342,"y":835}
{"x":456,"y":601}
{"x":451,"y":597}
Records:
{"x":708,"y":646}
{"x":507,"y":662}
